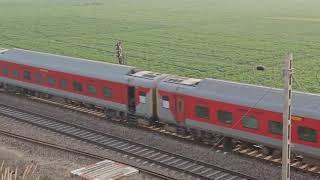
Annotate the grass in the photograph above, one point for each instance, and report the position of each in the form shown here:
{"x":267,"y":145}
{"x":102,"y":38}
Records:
{"x":223,"y":39}
{"x":44,"y":178}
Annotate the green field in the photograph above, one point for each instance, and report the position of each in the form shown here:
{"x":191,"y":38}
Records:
{"x":222,"y":39}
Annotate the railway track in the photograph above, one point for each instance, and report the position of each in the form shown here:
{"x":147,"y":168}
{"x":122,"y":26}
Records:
{"x":296,"y":163}
{"x":75,"y":151}
{"x":148,"y":155}
{"x":251,"y":152}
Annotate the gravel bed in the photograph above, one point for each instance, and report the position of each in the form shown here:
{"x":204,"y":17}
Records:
{"x":57,"y":163}
{"x":50,"y":162}
{"x":249,"y":166}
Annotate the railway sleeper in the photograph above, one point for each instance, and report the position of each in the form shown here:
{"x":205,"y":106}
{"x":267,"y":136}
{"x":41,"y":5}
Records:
{"x":175,"y":129}
{"x":144,"y":122}
{"x":171,"y":128}
{"x":309,"y":160}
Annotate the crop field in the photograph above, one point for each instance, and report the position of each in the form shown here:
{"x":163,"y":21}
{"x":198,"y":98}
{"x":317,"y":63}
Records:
{"x":223,"y":39}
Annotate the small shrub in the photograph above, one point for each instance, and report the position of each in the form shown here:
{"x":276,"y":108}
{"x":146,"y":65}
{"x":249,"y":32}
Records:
{"x":44,"y":178}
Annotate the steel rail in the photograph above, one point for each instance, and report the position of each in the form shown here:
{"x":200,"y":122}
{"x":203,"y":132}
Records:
{"x":146,"y":153}
{"x":75,"y":151}
{"x":297,"y":164}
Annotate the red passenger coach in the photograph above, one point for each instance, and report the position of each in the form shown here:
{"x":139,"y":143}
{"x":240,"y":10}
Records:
{"x":116,"y":88}
{"x":211,"y":106}
{"x":96,"y":83}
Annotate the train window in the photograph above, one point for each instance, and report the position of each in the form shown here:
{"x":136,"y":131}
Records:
{"x":64,"y":83}
{"x":202,"y":112}
{"x":275,"y":127}
{"x":27,"y":75}
{"x":77,"y":86}
{"x":38,"y":78}
{"x":15,"y":73}
{"x":51,"y":81}
{"x":225,"y":117}
{"x":307,"y":134}
{"x":165,"y":102}
{"x":107,"y":92}
{"x":5,"y":71}
{"x":92,"y":89}
{"x":142,"y":97}
{"x":249,"y":122}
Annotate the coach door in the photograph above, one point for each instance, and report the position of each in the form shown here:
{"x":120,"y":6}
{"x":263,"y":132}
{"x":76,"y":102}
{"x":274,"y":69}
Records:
{"x":131,"y":99}
{"x":180,"y":116}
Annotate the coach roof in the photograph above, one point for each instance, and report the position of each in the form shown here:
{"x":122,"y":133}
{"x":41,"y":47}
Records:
{"x":260,"y":97}
{"x":83,"y":67}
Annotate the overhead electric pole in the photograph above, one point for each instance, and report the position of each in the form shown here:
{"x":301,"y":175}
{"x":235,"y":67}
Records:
{"x":286,"y":139}
{"x":120,"y":55}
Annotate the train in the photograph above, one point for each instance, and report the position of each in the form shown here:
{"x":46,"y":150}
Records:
{"x":203,"y":108}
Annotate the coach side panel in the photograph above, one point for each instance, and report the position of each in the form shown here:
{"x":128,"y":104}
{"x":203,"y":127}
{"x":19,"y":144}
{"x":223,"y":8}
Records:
{"x":251,"y":124}
{"x":95,"y":91}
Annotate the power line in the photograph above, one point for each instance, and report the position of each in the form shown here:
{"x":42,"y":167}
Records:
{"x":135,"y":50}
{"x":237,"y":122}
{"x":299,"y":85}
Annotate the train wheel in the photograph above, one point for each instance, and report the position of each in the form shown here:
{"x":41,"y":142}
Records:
{"x":227,"y":144}
{"x":196,"y":135}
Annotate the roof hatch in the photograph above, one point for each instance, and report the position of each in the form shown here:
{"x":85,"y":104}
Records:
{"x":2,"y":50}
{"x":146,"y":74}
{"x":182,"y":80}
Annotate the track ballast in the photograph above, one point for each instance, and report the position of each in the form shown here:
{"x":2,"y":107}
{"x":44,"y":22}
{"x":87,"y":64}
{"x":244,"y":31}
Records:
{"x":147,"y":154}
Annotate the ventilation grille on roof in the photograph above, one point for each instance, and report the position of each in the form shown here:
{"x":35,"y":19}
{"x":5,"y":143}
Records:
{"x":173,"y":80}
{"x":183,"y":81}
{"x":2,"y":51}
{"x":151,"y":75}
{"x":146,"y":74}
